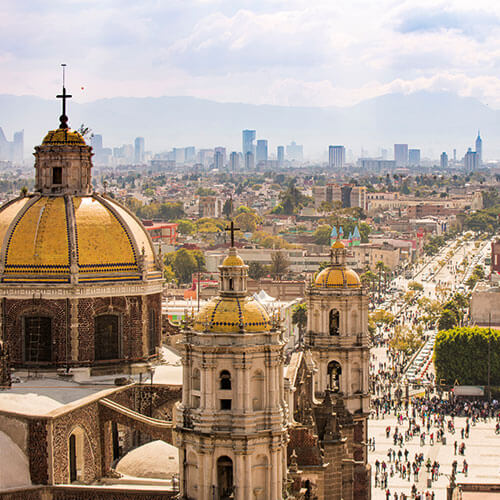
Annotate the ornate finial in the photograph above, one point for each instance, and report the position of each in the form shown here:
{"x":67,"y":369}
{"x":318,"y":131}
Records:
{"x":232,"y":229}
{"x":63,"y":118}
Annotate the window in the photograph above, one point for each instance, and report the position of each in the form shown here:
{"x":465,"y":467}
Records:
{"x":225,"y":380}
{"x":57,"y":175}
{"x":38,"y":338}
{"x":107,"y":339}
{"x":334,"y":371}
{"x":225,"y":404}
{"x":231,"y":284}
{"x":196,"y":379}
{"x":334,"y":322}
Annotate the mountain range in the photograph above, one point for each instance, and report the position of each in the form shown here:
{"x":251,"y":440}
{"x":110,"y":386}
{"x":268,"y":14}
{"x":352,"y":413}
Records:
{"x":431,"y":121}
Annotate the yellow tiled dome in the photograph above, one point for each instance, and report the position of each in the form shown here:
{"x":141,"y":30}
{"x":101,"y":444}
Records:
{"x":61,"y":137}
{"x":338,"y":244}
{"x":233,"y":260}
{"x":44,"y":236}
{"x":333,"y":277}
{"x":231,"y":315}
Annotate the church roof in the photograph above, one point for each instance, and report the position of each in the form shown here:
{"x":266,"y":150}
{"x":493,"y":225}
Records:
{"x":43,"y":236}
{"x":337,"y":278}
{"x":63,"y":137}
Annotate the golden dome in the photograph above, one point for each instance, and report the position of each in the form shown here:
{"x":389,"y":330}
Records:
{"x":233,"y":260}
{"x":231,"y":315}
{"x":49,"y":238}
{"x":338,"y":244}
{"x":63,"y":137}
{"x":337,"y":277}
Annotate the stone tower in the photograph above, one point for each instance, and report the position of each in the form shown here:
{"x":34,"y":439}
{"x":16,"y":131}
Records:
{"x":337,"y":337}
{"x":231,"y":423}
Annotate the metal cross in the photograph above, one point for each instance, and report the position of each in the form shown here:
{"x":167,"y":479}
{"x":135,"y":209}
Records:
{"x":63,"y":118}
{"x":232,"y":229}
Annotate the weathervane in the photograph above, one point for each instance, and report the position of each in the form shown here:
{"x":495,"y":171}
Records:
{"x":63,"y":118}
{"x":232,"y":229}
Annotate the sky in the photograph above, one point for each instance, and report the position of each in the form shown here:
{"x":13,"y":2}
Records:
{"x":282,"y":52}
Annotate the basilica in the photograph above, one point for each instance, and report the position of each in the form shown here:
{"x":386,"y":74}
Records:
{"x":80,"y":296}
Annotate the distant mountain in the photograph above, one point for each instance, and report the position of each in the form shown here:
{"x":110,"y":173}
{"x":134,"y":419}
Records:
{"x":432,"y":121}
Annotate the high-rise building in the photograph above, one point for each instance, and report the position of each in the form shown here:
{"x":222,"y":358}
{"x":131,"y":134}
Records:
{"x":479,"y":149}
{"x":179,"y":155}
{"x":470,"y":161}
{"x":96,"y":143}
{"x":280,"y":153}
{"x":261,"y":151}
{"x":336,"y":156}
{"x":248,"y":145}
{"x":249,"y":161}
{"x":219,"y":157}
{"x":234,"y":160}
{"x":454,"y":156}
{"x":139,"y":149}
{"x":401,"y":155}
{"x":443,"y":161}
{"x":18,"y":147}
{"x":414,"y":157}
{"x":189,"y":154}
{"x":295,"y":152}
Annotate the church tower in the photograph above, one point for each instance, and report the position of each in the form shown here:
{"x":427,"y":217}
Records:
{"x":230,"y":424}
{"x":337,"y":337}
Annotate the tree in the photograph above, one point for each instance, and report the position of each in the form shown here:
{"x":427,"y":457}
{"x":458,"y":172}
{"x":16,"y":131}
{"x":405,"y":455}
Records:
{"x":186,"y":227}
{"x":169,"y":274}
{"x":406,"y":339}
{"x":184,"y":265}
{"x":415,"y":285}
{"x":448,"y":319}
{"x":322,"y":235}
{"x":247,"y":221}
{"x":299,"y":318}
{"x":279,"y":264}
{"x":256,"y":270}
{"x":227,"y":209}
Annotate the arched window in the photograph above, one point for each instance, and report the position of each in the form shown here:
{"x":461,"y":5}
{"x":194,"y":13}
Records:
{"x":231,"y":284}
{"x":76,"y":456}
{"x":334,"y":371}
{"x":196,"y":379}
{"x":107,"y":337}
{"x":225,"y":380}
{"x":38,"y":339}
{"x":334,"y":322}
{"x":225,"y":478}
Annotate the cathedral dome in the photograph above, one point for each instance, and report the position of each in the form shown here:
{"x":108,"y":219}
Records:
{"x":233,"y":260}
{"x":332,"y":277}
{"x":232,"y":315}
{"x":49,"y":239}
{"x":63,"y":137}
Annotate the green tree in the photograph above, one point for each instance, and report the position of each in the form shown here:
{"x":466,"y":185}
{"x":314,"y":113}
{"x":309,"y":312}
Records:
{"x":448,"y":319}
{"x":257,"y":270}
{"x":247,"y":221}
{"x":186,"y":226}
{"x":415,"y":285}
{"x":322,"y":235}
{"x":169,"y":274}
{"x":299,"y":318}
{"x":184,"y":265}
{"x":279,"y":264}
{"x":227,"y":209}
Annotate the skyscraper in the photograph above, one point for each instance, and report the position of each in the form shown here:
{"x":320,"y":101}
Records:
{"x":295,"y":151}
{"x":261,"y":153}
{"x":401,"y":155}
{"x":470,"y":160}
{"x":414,"y":157}
{"x":234,"y":160}
{"x":479,"y":149}
{"x":219,"y":158}
{"x":444,"y":160}
{"x":96,"y":143}
{"x":18,"y":147}
{"x":248,"y":145}
{"x":139,"y":149}
{"x":336,"y":156}
{"x":249,"y":161}
{"x":281,"y":154}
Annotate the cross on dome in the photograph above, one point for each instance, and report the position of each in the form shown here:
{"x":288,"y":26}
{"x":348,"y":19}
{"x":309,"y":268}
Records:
{"x":232,"y":229}
{"x":63,"y":118}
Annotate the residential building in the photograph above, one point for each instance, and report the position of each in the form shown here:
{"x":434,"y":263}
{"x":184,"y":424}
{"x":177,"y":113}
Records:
{"x":210,"y":206}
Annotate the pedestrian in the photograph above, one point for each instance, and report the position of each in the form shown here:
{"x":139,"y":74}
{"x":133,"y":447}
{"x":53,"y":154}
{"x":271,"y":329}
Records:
{"x":455,"y":444}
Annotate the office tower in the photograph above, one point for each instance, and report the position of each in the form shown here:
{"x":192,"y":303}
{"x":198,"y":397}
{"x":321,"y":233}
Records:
{"x":454,"y":156}
{"x":189,"y":154}
{"x":443,"y":160}
{"x":222,"y":152}
{"x":139,"y":149}
{"x":401,"y":155}
{"x":248,"y":145}
{"x":281,"y":154}
{"x":261,"y":152}
{"x":295,"y":151}
{"x":470,"y":161}
{"x":414,"y":157}
{"x":479,"y":149}
{"x":219,"y":158}
{"x":179,"y":155}
{"x":18,"y":147}
{"x":234,"y":160}
{"x":96,"y":143}
{"x":249,"y":161}
{"x":336,"y":156}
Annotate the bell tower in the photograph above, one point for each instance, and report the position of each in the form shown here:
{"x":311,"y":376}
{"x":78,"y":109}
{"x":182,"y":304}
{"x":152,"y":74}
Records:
{"x":231,"y":423}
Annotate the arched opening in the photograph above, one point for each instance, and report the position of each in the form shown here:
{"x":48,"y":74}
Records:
{"x":107,"y":337}
{"x":76,"y":457}
{"x":231,"y":284}
{"x":225,"y":478}
{"x":257,"y":383}
{"x":225,"y":380}
{"x":38,"y":339}
{"x":334,"y":371}
{"x":56,"y":175}
{"x":334,"y":320}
